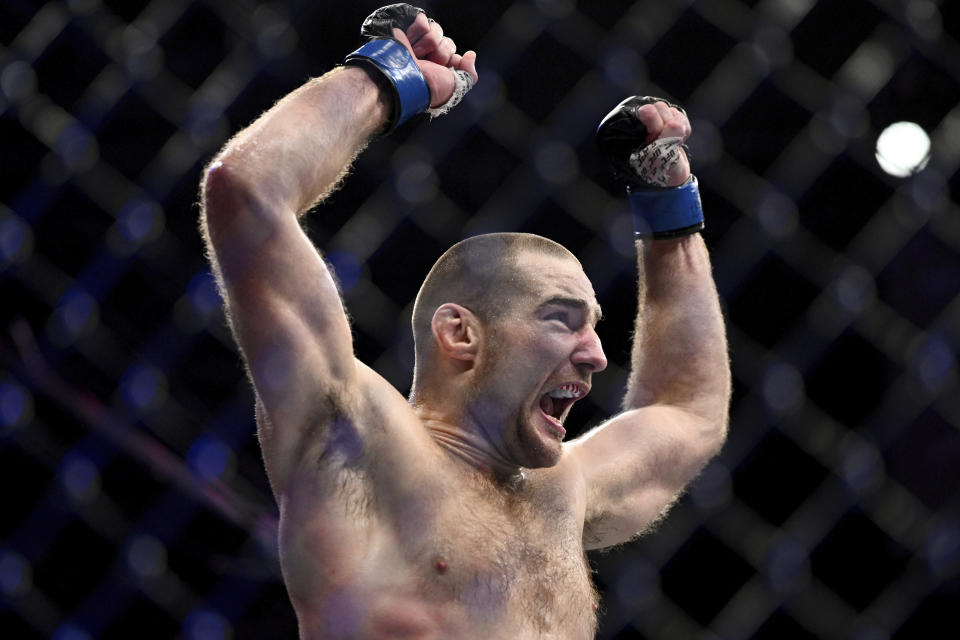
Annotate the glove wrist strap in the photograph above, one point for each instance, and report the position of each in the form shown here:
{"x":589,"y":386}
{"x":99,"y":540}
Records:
{"x":667,"y":213}
{"x":410,"y":92}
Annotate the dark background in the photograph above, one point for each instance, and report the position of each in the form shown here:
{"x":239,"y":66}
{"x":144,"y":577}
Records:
{"x":135,"y":505}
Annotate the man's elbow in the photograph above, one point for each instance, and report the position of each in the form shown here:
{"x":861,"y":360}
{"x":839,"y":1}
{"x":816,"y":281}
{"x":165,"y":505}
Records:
{"x":223,"y":191}
{"x":231,"y":200}
{"x":236,"y":221}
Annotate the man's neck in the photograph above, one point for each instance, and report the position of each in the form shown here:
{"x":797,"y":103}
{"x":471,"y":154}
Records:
{"x":469,"y":443}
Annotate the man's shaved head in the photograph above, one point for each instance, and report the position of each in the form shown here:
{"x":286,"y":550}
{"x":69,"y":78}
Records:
{"x":480,"y":273}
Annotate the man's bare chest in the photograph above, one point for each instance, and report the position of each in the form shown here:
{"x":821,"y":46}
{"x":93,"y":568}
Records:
{"x":518,"y":557}
{"x":453,"y":554}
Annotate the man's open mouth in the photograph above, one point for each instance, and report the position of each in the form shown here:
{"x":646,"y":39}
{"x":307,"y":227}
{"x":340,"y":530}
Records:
{"x":554,"y":403}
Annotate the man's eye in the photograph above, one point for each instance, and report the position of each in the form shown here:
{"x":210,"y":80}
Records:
{"x":562,"y":316}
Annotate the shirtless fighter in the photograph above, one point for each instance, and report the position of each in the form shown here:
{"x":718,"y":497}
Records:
{"x":461,"y":512}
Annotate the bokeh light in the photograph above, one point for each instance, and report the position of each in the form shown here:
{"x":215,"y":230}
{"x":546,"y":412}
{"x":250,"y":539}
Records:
{"x":903,"y":148}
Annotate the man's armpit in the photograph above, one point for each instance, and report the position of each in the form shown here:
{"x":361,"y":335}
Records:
{"x":596,"y":531}
{"x":328,"y":436}
{"x":608,"y":530}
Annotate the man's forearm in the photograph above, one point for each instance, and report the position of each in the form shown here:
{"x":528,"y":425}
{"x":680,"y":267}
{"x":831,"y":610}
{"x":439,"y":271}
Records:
{"x":679,"y":350}
{"x":296,"y":153}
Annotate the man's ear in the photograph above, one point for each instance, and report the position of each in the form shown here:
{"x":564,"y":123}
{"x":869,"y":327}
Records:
{"x":456,"y":331}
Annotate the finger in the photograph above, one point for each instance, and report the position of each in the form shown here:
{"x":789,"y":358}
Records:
{"x":430,"y":40}
{"x":676,"y":126}
{"x":418,"y":28}
{"x":682,"y":126}
{"x":664,"y":110}
{"x":401,"y":37}
{"x":687,"y":127}
{"x":442,"y":54}
{"x":468,"y":63}
{"x":673,"y":129}
{"x":649,"y":116}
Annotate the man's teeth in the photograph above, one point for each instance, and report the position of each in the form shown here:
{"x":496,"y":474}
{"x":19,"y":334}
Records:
{"x":566,"y":391}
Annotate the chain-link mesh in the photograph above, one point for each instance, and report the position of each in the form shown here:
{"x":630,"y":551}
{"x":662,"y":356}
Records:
{"x":135,"y":504}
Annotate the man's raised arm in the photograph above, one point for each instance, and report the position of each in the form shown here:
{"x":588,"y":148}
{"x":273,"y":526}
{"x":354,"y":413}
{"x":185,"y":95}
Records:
{"x":675,"y":410}
{"x":282,"y":301}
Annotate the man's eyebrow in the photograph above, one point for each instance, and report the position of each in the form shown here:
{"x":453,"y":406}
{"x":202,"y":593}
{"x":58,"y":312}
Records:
{"x":577,"y":303}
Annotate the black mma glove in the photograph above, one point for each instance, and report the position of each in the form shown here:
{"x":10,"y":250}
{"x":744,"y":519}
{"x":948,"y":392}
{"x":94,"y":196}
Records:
{"x":658,"y":211}
{"x":388,"y":57}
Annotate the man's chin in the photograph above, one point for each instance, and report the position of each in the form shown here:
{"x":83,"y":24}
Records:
{"x":540,"y":450}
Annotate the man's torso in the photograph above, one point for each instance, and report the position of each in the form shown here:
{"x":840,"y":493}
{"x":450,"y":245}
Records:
{"x":393,"y":537}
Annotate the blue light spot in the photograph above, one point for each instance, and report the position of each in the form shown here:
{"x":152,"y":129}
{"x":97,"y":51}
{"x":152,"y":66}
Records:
{"x":782,"y":387}
{"x":15,"y":573}
{"x":202,"y":293}
{"x":70,"y":631}
{"x":488,"y":93}
{"x":146,"y":556}
{"x":13,"y":237}
{"x":137,"y":220}
{"x":17,"y":80}
{"x":75,"y":310}
{"x":72,"y":144}
{"x":140,"y":386}
{"x":208,"y":457}
{"x":621,"y":66}
{"x":929,"y":191}
{"x":13,"y":403}
{"x":712,"y":488}
{"x":942,"y":547}
{"x":204,"y":624}
{"x":346,"y":267}
{"x":635,"y":583}
{"x":861,"y":467}
{"x":80,"y":476}
{"x":787,"y":566}
{"x":934,"y":363}
{"x":777,"y":213}
{"x":203,"y":120}
{"x":556,"y":161}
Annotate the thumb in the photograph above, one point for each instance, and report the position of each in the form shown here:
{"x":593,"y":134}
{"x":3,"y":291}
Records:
{"x":439,"y":80}
{"x":468,"y":63}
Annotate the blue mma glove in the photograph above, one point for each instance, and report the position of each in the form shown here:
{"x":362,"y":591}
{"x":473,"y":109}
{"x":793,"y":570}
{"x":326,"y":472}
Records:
{"x":393,"y":61}
{"x":658,"y":211}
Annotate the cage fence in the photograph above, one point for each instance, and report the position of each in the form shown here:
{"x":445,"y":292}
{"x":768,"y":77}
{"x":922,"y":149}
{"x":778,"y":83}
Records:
{"x":135,"y":500}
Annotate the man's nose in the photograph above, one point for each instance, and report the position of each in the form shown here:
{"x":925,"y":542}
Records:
{"x":589,"y":352}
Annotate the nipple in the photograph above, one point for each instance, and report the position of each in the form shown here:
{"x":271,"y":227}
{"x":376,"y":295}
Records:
{"x":440,"y":565}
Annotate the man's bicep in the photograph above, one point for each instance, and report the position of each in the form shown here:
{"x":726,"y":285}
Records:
{"x":635,"y":465}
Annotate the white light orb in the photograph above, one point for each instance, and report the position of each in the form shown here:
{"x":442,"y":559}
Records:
{"x":903,"y":149}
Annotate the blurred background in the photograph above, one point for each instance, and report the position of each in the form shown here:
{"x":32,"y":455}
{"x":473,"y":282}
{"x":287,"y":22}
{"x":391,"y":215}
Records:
{"x":135,"y":503}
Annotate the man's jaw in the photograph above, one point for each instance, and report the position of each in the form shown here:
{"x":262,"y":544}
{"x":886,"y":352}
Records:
{"x":479,"y":440}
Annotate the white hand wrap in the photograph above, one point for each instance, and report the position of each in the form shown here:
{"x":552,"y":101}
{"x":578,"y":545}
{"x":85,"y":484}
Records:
{"x":653,"y":162}
{"x":463,"y":83}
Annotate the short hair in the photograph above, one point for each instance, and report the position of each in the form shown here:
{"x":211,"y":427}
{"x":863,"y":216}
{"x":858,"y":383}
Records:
{"x":481,"y":274}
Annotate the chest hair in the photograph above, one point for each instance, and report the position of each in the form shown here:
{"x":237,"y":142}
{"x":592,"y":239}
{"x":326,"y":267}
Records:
{"x":510,"y":551}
